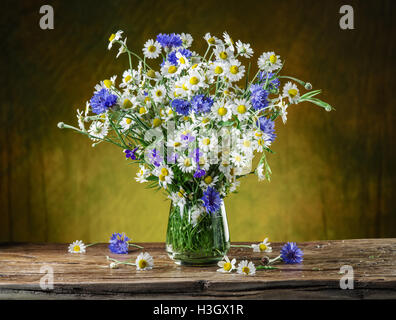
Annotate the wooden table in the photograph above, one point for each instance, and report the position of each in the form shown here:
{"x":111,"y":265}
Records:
{"x":87,"y":276}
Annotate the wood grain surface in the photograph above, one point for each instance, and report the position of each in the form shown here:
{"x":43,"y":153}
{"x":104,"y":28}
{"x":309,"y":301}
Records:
{"x":87,"y":276}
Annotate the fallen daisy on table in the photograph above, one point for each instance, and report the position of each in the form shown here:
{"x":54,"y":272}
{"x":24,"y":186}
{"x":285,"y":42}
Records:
{"x":246,"y":268}
{"x":262,"y":246}
{"x":227,"y":265}
{"x":144,"y":261}
{"x":77,"y":247}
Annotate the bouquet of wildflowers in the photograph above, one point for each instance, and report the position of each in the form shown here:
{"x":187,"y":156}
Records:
{"x":193,"y":124}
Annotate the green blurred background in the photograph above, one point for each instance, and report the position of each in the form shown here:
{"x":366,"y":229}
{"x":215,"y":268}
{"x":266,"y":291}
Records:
{"x":333,"y":173}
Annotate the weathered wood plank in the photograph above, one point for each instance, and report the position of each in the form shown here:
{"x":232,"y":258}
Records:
{"x":88,"y":275}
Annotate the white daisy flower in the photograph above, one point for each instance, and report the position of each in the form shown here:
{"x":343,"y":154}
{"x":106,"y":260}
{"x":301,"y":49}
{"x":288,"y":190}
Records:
{"x":77,"y":247}
{"x":244,"y":49}
{"x":234,"y":185}
{"x":223,"y":54}
{"x":217,"y":68}
{"x":186,"y":164}
{"x":126,"y":78}
{"x":165,"y":175}
{"x":234,"y":70}
{"x":291,"y":92}
{"x":182,"y":61}
{"x":238,"y":159}
{"x":195,"y":81}
{"x":222,"y":110}
{"x":114,"y":37}
{"x":178,"y":198}
{"x":269,"y":62}
{"x":246,"y":268}
{"x":144,"y":261}
{"x":169,"y":70}
{"x":262,"y":246}
{"x":152,"y":49}
{"x":195,"y":214}
{"x":125,"y":123}
{"x":106,"y":84}
{"x":207,"y":142}
{"x":98,"y":130}
{"x":159,"y":93}
{"x":226,"y":265}
{"x":142,"y":174}
{"x":122,"y":48}
{"x":241,"y":109}
{"x":81,"y":120}
{"x":211,"y":40}
{"x":186,"y":39}
{"x":228,"y":41}
{"x":208,"y":181}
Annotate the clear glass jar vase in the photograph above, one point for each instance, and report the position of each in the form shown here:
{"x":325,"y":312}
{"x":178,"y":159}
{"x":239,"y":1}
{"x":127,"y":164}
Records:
{"x":197,"y":238}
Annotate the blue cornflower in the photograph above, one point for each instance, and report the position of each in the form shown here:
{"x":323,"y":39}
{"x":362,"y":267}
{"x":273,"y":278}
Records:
{"x":131,"y":154}
{"x":102,"y":100}
{"x":259,"y":97}
{"x":212,"y":200}
{"x":273,"y":82}
{"x":155,"y":158}
{"x":291,"y":254}
{"x":119,"y":243}
{"x":268,"y":127}
{"x":199,"y":173}
{"x":201,"y":104}
{"x":181,"y":106}
{"x":169,"y":40}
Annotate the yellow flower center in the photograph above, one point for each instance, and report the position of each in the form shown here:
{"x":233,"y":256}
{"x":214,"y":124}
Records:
{"x":292,"y":92}
{"x":234,"y":69}
{"x":208,"y":180}
{"x":260,"y":142}
{"x":182,"y":60}
{"x":258,"y":134}
{"x":158,"y":93}
{"x":223,"y":55}
{"x":194,"y":66}
{"x":177,"y":144}
{"x":76,"y":248}
{"x":142,"y":264}
{"x":128,"y":120}
{"x":206,"y":141}
{"x":218,"y":70}
{"x":162,"y":178}
{"x":127,"y":78}
{"x":241,"y":109}
{"x":151,"y":48}
{"x":112,"y":37}
{"x":262,"y":247}
{"x":151,"y":73}
{"x":157,"y":122}
{"x":187,"y":162}
{"x":147,"y":99}
{"x":172,"y":69}
{"x":222,"y":111}
{"x":142,"y":110}
{"x":227,"y":266}
{"x":107,"y":83}
{"x":238,"y":158}
{"x":272,"y":59}
{"x":184,"y":87}
{"x":205,"y":120}
{"x":194,"y":80}
{"x":211,"y":40}
{"x":127,"y":103}
{"x":181,"y":193}
{"x":247,"y":143}
{"x":164,"y":172}
{"x":246,"y":270}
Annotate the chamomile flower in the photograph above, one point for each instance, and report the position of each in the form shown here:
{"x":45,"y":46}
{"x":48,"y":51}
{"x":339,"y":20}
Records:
{"x":217,"y":68}
{"x":122,"y":48}
{"x":159,"y":93}
{"x":291,"y":92}
{"x":80,"y":120}
{"x":127,"y":78}
{"x":208,"y":181}
{"x":77,"y":247}
{"x":178,"y":198}
{"x":269,"y":61}
{"x":142,"y":174}
{"x":262,"y":246}
{"x":238,"y":159}
{"x":152,"y":49}
{"x":144,"y":261}
{"x":211,"y":40}
{"x":207,"y":142}
{"x":234,"y":70}
{"x":222,"y":111}
{"x":246,"y":268}
{"x":182,"y":61}
{"x":186,"y":39}
{"x":125,"y":123}
{"x":244,"y":49}
{"x":241,"y":109}
{"x":165,"y":175}
{"x":223,"y":54}
{"x":228,"y":41}
{"x":98,"y":130}
{"x":186,"y":164}
{"x":114,"y":37}
{"x":226,"y":265}
{"x":169,"y":70}
{"x":195,"y":81}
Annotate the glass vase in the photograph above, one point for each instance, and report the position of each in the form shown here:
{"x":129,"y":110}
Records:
{"x":195,"y":237}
